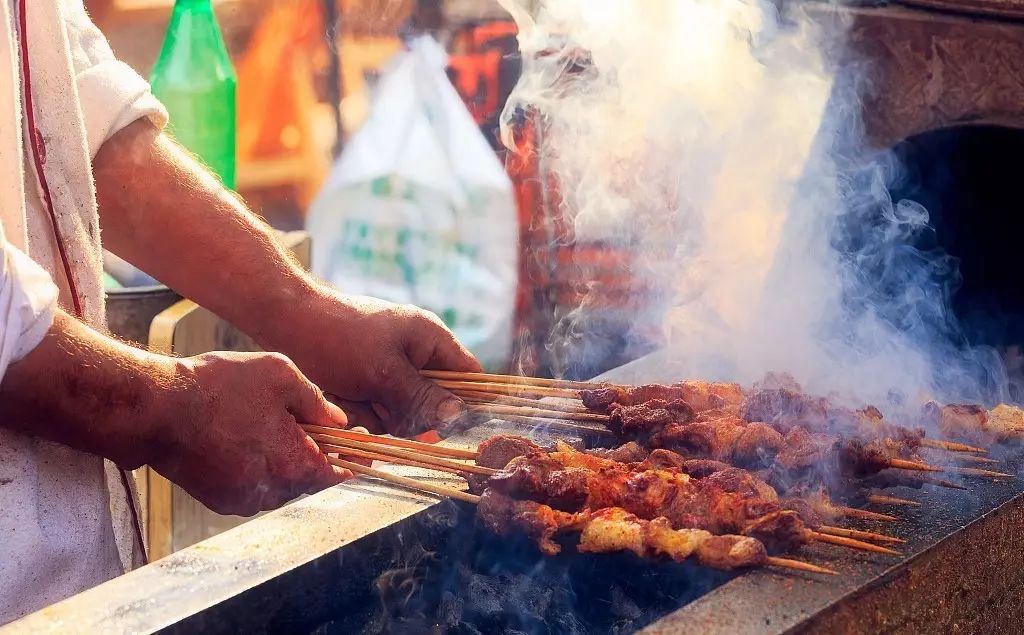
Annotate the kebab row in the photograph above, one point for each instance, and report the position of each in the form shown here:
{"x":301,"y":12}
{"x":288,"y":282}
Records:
{"x":778,"y":393}
{"x":766,"y":423}
{"x":651,"y":508}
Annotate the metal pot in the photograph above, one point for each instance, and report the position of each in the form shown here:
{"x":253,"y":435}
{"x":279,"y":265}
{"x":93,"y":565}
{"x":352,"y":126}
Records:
{"x":131,"y":310}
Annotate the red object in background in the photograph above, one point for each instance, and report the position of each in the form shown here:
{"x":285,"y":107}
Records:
{"x":484,"y":67}
{"x":580,"y":309}
{"x":557,"y":276}
{"x":476,"y":78}
{"x":534,"y":304}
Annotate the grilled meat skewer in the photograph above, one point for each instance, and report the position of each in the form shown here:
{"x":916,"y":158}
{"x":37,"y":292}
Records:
{"x":612,"y":529}
{"x":811,"y":501}
{"x":687,"y":503}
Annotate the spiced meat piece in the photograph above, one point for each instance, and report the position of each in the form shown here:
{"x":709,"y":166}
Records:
{"x":497,"y":451}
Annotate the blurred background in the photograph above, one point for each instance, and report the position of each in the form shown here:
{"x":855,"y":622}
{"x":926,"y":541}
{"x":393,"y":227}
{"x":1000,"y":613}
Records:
{"x":495,"y":260}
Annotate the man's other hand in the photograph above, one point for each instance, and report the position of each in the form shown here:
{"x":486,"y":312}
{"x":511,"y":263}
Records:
{"x":235,"y":443}
{"x":367,"y":353}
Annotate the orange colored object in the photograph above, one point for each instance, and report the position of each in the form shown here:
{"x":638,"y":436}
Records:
{"x":430,"y":436}
{"x":275,"y":79}
{"x":475,"y":75}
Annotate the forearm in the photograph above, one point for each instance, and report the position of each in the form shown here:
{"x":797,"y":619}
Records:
{"x":166,"y":215}
{"x":90,"y":392}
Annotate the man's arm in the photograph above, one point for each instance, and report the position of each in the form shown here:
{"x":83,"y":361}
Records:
{"x":223,"y":426}
{"x":165,"y":214}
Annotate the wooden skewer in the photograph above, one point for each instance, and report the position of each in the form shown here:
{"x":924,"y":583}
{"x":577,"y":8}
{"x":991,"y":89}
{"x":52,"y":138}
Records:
{"x":951,"y":445}
{"x":550,"y":424}
{"x":588,"y":417}
{"x":853,"y":512}
{"x":471,"y":396}
{"x":970,"y":458}
{"x":426,"y":448}
{"x":328,"y":448}
{"x":440,"y":490}
{"x":509,"y":389}
{"x":797,"y":565}
{"x":510,"y":379}
{"x":973,"y":471}
{"x":940,"y":482}
{"x":851,"y":543}
{"x":904,"y":464}
{"x":856,"y":533}
{"x":880,"y":499}
{"x":405,"y":454}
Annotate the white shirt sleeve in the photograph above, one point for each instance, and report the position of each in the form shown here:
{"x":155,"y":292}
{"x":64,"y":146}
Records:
{"x":111,"y":93}
{"x":28,"y":301}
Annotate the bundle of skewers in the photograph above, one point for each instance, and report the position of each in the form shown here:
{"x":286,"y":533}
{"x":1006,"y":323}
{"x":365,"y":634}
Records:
{"x":663,"y":506}
{"x":775,"y":426}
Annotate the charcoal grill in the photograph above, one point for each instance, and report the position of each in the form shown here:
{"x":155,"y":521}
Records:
{"x":364,"y":557}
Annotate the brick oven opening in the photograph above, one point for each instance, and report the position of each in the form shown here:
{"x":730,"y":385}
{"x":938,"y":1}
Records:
{"x":969,"y":178}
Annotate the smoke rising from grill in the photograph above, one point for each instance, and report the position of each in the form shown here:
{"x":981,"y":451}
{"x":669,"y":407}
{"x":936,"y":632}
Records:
{"x":716,"y":142}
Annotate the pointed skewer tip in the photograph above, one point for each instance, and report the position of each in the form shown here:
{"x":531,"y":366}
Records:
{"x":798,"y":565}
{"x":852,"y":544}
{"x":860,"y":535}
{"x":973,"y":471}
{"x":864,"y":514}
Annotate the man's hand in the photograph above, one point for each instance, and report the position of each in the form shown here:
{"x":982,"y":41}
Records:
{"x":368,"y":353}
{"x":224,"y":426}
{"x":237,"y":447}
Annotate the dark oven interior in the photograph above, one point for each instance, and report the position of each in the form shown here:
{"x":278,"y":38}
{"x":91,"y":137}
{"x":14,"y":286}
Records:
{"x":968,"y":178}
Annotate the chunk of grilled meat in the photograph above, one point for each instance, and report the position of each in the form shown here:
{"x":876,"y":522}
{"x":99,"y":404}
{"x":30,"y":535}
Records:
{"x":630,"y":452}
{"x":973,"y":423}
{"x":614,"y":529}
{"x":700,"y":395}
{"x":724,"y":503}
{"x":869,"y":423}
{"x":506,"y":516}
{"x":538,"y":476}
{"x":497,"y":451}
{"x":1007,"y":422}
{"x":643,"y":420}
{"x":785,"y":409}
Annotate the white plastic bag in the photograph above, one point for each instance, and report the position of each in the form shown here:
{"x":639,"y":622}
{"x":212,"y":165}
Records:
{"x":419,"y":210}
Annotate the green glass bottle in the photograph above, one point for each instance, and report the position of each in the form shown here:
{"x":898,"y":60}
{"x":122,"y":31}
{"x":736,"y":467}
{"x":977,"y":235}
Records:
{"x":195,"y":80}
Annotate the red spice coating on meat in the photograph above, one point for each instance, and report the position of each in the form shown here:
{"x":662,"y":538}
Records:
{"x":505,"y":516}
{"x":645,"y":419}
{"x":497,"y":451}
{"x":700,"y":395}
{"x":785,"y":409}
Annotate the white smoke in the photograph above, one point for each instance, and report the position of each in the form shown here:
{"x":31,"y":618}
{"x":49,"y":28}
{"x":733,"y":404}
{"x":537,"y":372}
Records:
{"x":713,"y":140}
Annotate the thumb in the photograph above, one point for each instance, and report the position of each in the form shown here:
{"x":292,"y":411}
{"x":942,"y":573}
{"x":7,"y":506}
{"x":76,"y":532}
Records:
{"x":420,"y":404}
{"x":307,"y":404}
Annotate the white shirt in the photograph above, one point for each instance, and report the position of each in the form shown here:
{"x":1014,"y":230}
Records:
{"x":64,"y":521}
